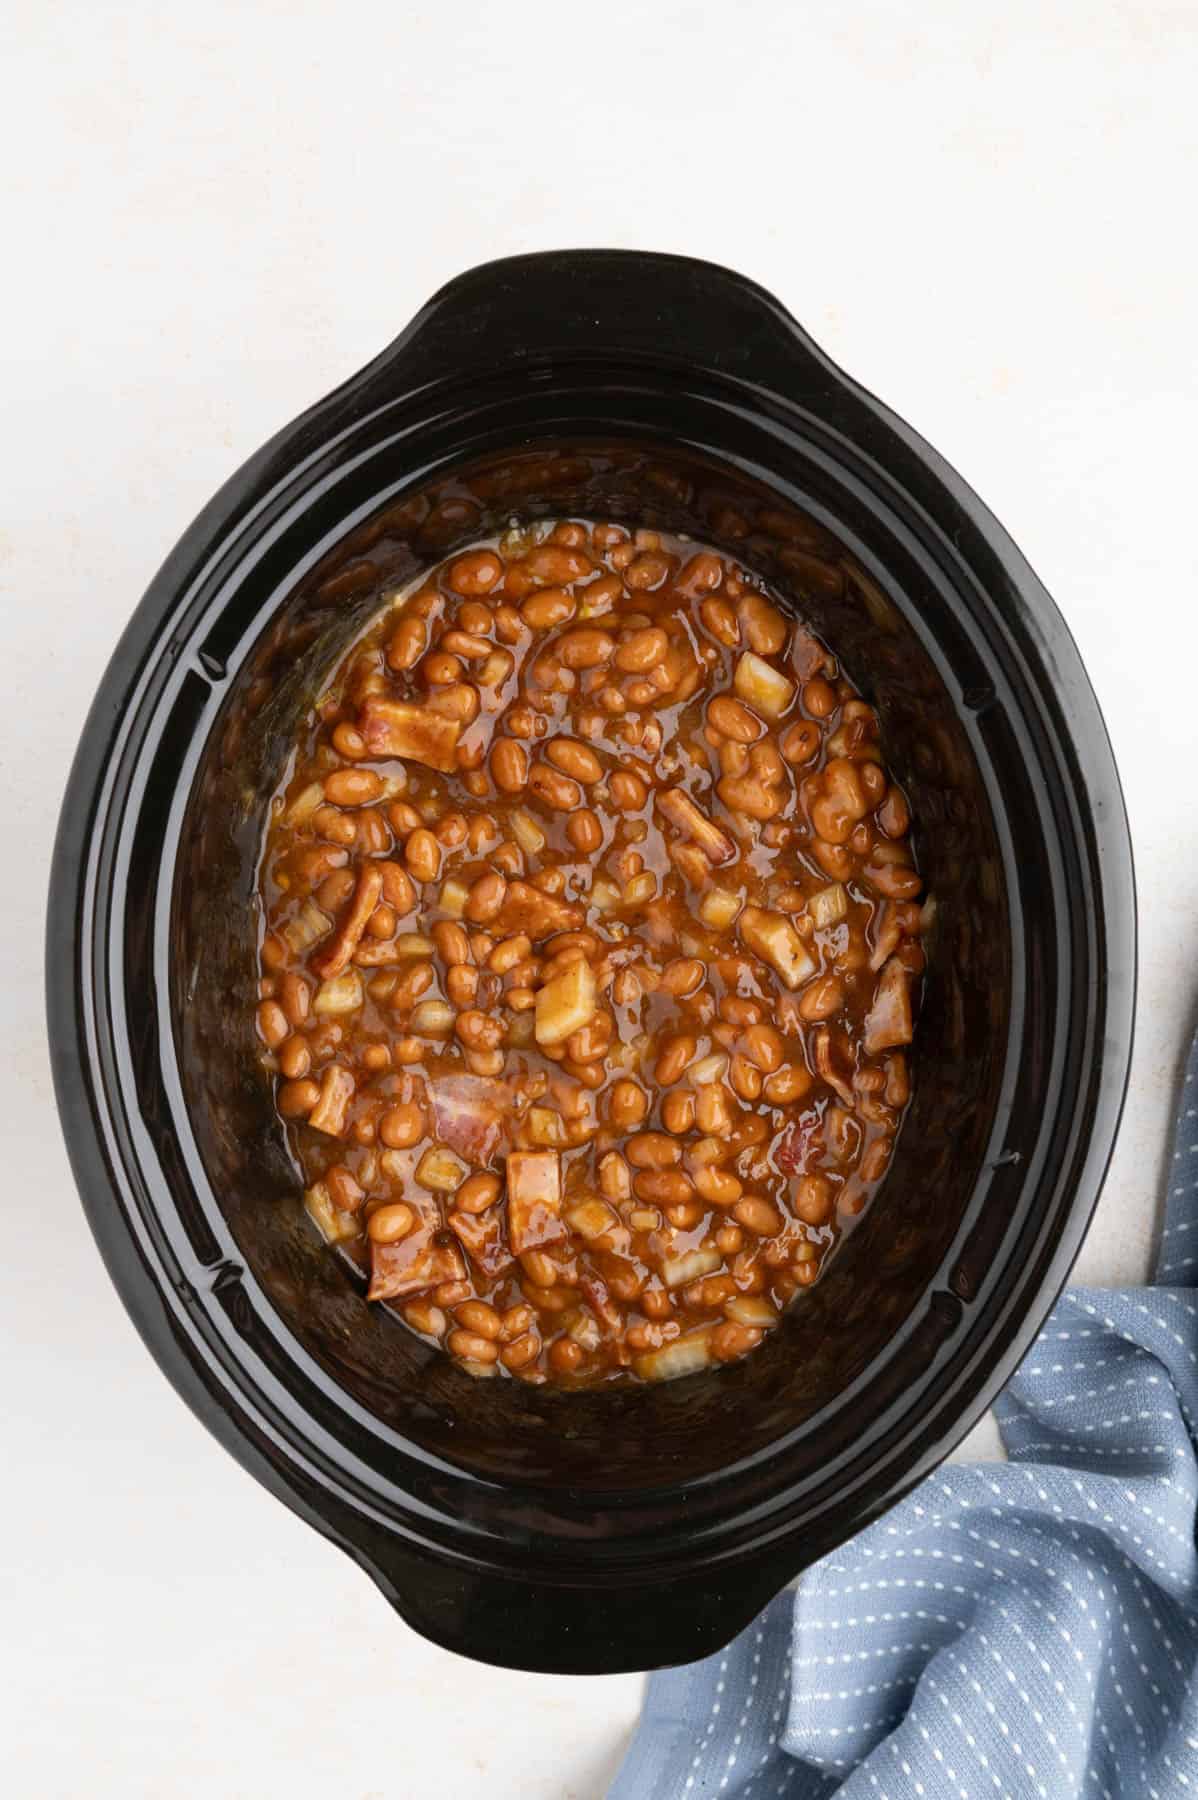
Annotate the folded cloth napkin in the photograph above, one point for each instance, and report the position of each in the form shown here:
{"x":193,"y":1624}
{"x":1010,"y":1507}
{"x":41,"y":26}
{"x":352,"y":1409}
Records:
{"x":1018,"y":1629}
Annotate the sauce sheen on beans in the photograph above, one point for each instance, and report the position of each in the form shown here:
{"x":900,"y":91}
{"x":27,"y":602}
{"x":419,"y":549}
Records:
{"x":591,"y":956}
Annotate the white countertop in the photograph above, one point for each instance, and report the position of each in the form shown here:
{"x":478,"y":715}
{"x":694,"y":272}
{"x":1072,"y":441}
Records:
{"x":216,"y":213}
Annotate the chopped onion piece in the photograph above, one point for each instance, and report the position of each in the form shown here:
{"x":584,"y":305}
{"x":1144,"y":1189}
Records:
{"x":329,"y":1220}
{"x":751,"y":1309}
{"x":771,"y":936}
{"x":432,"y":1018}
{"x":307,"y":928}
{"x":689,"y":1266}
{"x":719,"y":908}
{"x":304,"y":804}
{"x":829,"y":906}
{"x":545,"y":1127}
{"x":440,"y":1170}
{"x":763,"y":687}
{"x":341,"y":994}
{"x":566,"y":1004}
{"x":708,"y":1069}
{"x":527,"y":832}
{"x":591,"y":1218}
{"x":453,"y":899}
{"x":414,"y":943}
{"x":685,"y":1356}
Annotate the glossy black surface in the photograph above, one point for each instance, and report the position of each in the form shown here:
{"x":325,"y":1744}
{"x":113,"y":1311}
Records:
{"x":621,"y":1530}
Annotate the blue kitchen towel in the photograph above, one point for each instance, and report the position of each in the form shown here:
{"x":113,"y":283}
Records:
{"x":1008,"y":1630}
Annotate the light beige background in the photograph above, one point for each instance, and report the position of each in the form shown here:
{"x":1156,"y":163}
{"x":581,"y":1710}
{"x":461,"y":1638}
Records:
{"x":212,"y":214}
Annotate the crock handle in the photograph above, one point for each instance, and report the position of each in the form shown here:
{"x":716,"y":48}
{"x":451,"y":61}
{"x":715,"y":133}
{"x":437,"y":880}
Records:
{"x":519,"y":1623}
{"x":559,"y":306}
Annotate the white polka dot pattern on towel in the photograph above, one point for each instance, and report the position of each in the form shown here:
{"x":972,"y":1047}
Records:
{"x":1026,"y":1631}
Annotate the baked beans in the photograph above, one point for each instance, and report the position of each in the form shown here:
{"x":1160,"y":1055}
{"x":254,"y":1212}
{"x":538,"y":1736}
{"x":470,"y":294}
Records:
{"x":590,"y":956}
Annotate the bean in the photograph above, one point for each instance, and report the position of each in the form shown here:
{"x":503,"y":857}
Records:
{"x":684,"y":976}
{"x":763,"y":625}
{"x":894,"y":880}
{"x":719,"y":1186}
{"x":628,"y":791}
{"x":402,"y":1126}
{"x":763,"y":1047}
{"x":522,"y":1351}
{"x":675,"y":1055}
{"x":422,"y":854}
{"x":509,"y":765}
{"x":639,"y":651}
{"x":821,"y":998}
{"x":539,"y":1268}
{"x":627,"y":1104}
{"x":730,"y":1340}
{"x":389,"y":1224}
{"x":678,"y":1111}
{"x":552,"y":606}
{"x":647,"y":571}
{"x":750,"y":797}
{"x":480,"y":1318}
{"x":757,"y":1216}
{"x":475,"y":573}
{"x":745,"y":1078}
{"x":699,"y":575}
{"x":786,"y":1085}
{"x":347,"y":741}
{"x":573,"y":758}
{"x":478,"y":1192}
{"x":273,"y":1026}
{"x":556,"y":790}
{"x":667,"y":1187}
{"x":461,"y":985}
{"x":295,"y":1099}
{"x":811,"y":1200}
{"x":453,"y":946}
{"x":407,"y":645}
{"x":585,"y":647}
{"x":485,"y":898}
{"x":295,"y":1059}
{"x":894,"y":816}
{"x":713,"y":1109}
{"x":566,"y":1356}
{"x":471,"y":1347}
{"x":876,"y":1160}
{"x":423,"y":1316}
{"x":584,"y":831}
{"x":508,"y":954}
{"x":398,"y":891}
{"x":352,"y":787}
{"x":652,"y":1150}
{"x":560,"y":565}
{"x":440,"y":669}
{"x":800,"y":741}
{"x":819,"y":698}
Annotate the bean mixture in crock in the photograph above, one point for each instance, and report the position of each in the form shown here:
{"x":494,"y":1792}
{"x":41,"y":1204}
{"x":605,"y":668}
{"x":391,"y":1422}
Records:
{"x":592,"y":949}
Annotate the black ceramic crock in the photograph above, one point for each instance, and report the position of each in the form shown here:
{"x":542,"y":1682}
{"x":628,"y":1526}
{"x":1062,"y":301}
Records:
{"x":611,"y":1530}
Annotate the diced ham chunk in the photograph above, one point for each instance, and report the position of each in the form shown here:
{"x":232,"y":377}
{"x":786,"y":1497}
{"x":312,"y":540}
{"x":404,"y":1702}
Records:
{"x":482,"y":1236}
{"x":469,"y":1113}
{"x":415,"y":1263}
{"x":888,"y":1022}
{"x":534,"y":1199}
{"x":397,"y":728}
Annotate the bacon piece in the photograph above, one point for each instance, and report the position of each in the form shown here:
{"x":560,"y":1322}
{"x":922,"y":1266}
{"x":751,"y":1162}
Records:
{"x":693,"y":822}
{"x":337,"y":953}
